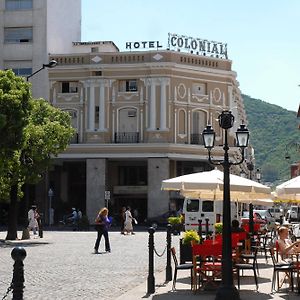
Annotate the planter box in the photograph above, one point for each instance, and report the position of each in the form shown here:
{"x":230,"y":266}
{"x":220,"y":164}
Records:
{"x":185,"y":252}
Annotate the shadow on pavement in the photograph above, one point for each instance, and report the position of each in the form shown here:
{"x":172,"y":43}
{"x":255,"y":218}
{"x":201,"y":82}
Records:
{"x":17,"y":243}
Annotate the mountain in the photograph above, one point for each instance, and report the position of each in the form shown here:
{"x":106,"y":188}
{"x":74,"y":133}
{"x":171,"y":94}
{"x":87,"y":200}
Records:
{"x":274,"y":135}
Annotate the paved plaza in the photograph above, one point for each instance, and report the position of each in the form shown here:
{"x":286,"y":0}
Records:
{"x":62,"y":266}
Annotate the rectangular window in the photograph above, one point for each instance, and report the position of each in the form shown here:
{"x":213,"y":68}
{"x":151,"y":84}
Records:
{"x":132,"y":175}
{"x":128,"y":85}
{"x":22,"y":71}
{"x":192,"y":205}
{"x":69,"y":87}
{"x":16,"y":35}
{"x":18,"y":4}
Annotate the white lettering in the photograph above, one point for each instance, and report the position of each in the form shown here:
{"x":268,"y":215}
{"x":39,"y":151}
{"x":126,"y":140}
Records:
{"x":204,"y":47}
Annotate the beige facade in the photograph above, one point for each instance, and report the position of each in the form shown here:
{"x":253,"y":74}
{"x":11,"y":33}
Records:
{"x":139,"y":118}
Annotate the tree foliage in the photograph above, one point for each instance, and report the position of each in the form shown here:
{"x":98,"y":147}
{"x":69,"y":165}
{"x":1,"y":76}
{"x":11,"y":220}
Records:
{"x":273,"y":130}
{"x":31,"y":132}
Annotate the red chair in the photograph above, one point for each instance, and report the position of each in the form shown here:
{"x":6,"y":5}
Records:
{"x":207,"y":266}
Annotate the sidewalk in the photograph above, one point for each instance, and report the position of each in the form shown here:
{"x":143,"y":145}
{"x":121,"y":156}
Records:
{"x":163,"y":290}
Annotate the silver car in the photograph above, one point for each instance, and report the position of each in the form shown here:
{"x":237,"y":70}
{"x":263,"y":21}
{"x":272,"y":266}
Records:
{"x":266,"y":215}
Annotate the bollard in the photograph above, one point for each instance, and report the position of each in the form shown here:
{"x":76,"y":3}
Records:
{"x":151,"y":279}
{"x":200,"y":228}
{"x":206,"y":227}
{"x":169,"y":242}
{"x":18,"y":254}
{"x":41,"y":226}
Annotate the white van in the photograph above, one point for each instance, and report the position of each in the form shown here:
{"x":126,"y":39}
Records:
{"x":199,"y":209}
{"x":276,"y":212}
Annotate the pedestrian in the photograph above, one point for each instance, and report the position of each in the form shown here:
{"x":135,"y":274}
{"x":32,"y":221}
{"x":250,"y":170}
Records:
{"x":102,"y":224}
{"x":33,"y":217}
{"x":128,"y":228}
{"x":122,"y":218}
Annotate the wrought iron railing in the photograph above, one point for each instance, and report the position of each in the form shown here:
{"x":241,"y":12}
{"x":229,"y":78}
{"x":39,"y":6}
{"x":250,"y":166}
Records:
{"x":127,"y":137}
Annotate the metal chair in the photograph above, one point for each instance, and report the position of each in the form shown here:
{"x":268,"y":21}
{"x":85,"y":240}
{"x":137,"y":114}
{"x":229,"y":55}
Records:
{"x":282,"y":267}
{"x":185,"y":266}
{"x":248,"y":266}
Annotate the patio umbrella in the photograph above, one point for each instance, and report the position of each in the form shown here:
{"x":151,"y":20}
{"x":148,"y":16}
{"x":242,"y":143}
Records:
{"x":289,"y":190}
{"x":209,"y":185}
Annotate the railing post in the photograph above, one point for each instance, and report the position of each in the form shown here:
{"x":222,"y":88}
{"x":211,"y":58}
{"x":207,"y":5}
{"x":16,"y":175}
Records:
{"x":151,"y":279}
{"x":200,"y":228}
{"x":169,"y":242}
{"x":18,"y":254}
{"x":206,"y":227}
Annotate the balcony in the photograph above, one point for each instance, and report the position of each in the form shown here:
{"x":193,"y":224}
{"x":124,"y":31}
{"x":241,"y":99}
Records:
{"x":127,"y":137}
{"x":196,"y":139}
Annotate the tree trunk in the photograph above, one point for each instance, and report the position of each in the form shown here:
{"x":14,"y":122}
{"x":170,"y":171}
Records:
{"x":13,"y":214}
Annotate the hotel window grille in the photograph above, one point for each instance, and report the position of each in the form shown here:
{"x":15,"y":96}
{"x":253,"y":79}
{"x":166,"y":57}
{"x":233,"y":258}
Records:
{"x":18,"y":4}
{"x":16,"y":35}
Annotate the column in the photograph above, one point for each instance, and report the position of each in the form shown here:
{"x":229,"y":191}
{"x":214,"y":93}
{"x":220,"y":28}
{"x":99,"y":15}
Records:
{"x":163,"y":105}
{"x":152,"y":109}
{"x":91,"y":114}
{"x":102,"y":106}
{"x":95,"y":186}
{"x":158,"y":200}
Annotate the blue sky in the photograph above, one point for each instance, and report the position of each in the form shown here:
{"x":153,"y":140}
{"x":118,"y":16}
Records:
{"x":262,"y":37}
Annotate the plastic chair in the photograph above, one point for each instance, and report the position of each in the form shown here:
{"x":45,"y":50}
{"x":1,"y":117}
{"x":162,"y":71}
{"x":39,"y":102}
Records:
{"x":185,"y":266}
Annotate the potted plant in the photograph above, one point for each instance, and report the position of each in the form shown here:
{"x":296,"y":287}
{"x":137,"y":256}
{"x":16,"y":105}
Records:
{"x":218,"y":228}
{"x":176,"y":223}
{"x":189,"y":237}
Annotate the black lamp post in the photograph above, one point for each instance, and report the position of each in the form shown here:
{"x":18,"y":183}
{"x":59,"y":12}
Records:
{"x":227,"y":291}
{"x":52,"y":63}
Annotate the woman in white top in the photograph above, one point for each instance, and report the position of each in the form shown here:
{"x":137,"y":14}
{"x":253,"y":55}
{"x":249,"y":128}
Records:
{"x":285,"y":245}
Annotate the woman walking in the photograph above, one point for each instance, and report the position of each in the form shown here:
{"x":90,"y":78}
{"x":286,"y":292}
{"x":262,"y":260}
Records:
{"x":102,"y":225}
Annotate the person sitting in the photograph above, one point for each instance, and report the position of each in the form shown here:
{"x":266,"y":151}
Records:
{"x":285,"y":245}
{"x":235,"y":226}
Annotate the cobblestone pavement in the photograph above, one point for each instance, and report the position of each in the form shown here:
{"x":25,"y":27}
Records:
{"x":62,"y":264}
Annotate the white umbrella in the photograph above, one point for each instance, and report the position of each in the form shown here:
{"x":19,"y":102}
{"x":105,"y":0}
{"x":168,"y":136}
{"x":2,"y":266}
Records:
{"x":209,"y":185}
{"x":289,"y":190}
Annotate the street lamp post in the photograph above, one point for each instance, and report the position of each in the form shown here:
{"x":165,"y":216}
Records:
{"x":250,"y":167}
{"x":226,"y":291}
{"x":50,"y":195}
{"x":52,"y":63}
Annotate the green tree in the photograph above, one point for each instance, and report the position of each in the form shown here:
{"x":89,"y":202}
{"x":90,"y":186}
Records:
{"x":31,"y":132}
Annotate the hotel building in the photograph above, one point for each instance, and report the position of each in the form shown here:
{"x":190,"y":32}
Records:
{"x":139,"y":116}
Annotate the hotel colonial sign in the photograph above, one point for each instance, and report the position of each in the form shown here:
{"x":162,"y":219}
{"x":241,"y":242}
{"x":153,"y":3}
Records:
{"x":184,"y":43}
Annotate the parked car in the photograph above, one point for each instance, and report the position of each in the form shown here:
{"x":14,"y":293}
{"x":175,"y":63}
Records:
{"x":259,"y":222}
{"x":267,"y":216}
{"x":262,"y":217}
{"x":161,"y":220}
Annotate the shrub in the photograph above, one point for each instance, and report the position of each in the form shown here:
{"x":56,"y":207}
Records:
{"x":189,"y":236}
{"x":174,"y":220}
{"x":218,"y":227}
